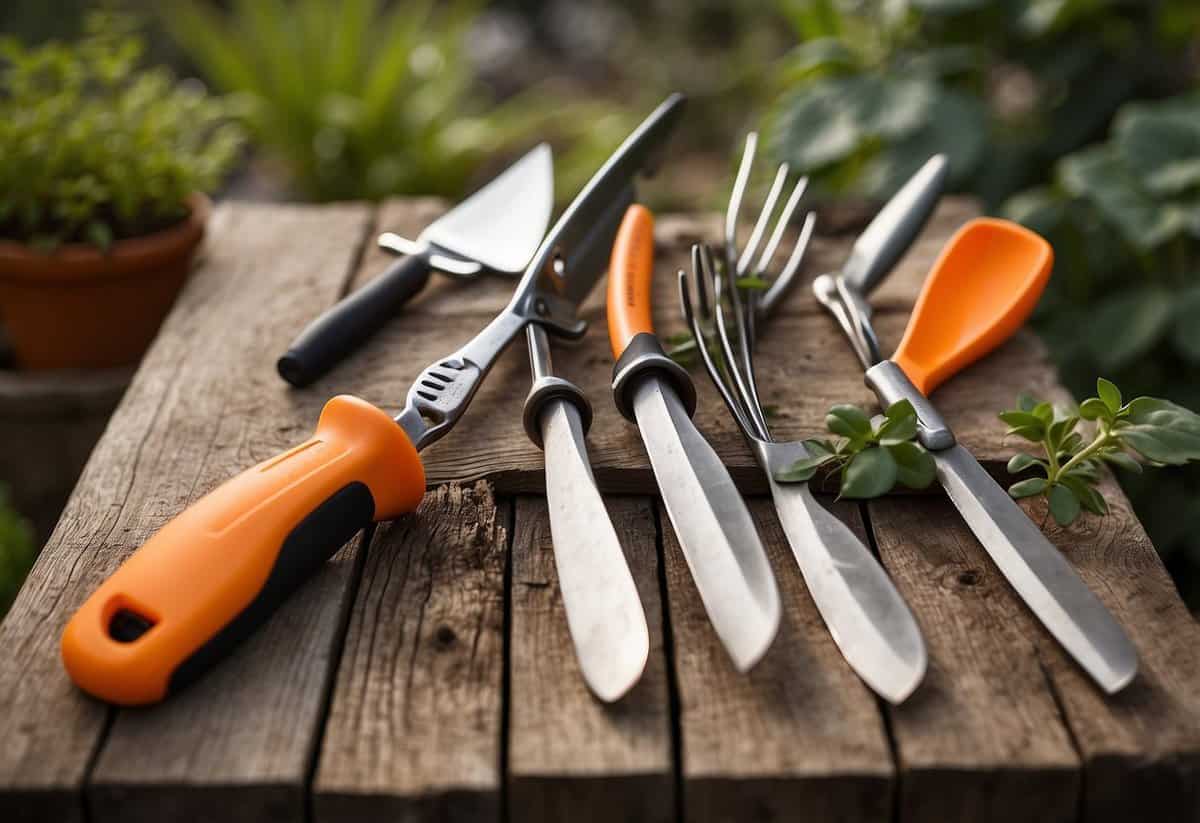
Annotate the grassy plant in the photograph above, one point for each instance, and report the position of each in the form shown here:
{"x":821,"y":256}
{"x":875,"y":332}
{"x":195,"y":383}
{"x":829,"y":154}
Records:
{"x":94,"y":150}
{"x":361,"y":99}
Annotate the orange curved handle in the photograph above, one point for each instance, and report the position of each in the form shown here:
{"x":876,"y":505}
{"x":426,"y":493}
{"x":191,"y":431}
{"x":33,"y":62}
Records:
{"x":216,"y":571}
{"x":983,"y":286}
{"x":630,"y":279}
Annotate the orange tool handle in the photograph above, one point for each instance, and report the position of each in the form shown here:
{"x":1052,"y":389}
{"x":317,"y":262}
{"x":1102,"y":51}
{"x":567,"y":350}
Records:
{"x":630,"y":279}
{"x":212,"y":575}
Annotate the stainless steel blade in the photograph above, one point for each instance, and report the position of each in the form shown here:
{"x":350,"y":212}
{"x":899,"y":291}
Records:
{"x":604,"y":612}
{"x":715,"y":530}
{"x":869,"y":621}
{"x":1038,"y":571}
{"x":503,"y":223}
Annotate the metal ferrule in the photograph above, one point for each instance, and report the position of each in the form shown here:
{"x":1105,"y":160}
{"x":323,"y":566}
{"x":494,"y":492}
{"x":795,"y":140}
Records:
{"x":544,"y":390}
{"x":890,"y":383}
{"x":644,"y":356}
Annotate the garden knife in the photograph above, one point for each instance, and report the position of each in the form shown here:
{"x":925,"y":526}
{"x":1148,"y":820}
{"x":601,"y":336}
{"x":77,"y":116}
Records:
{"x":714,"y":527}
{"x":496,"y":229}
{"x":604,"y":612}
{"x":212,"y":575}
{"x":943,"y":336}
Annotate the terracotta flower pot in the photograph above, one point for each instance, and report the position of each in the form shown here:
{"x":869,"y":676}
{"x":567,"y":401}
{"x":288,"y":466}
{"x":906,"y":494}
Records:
{"x":80,"y":307}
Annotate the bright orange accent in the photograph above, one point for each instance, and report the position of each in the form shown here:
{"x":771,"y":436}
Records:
{"x":205,"y":566}
{"x":982,"y":288}
{"x":630,"y":277}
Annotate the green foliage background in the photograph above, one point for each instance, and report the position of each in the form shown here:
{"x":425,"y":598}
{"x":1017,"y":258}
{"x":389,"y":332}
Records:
{"x":92,"y":149}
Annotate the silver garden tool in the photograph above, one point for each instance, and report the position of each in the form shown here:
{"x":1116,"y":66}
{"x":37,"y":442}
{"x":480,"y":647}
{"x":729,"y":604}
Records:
{"x":604,"y":611}
{"x":982,"y":288}
{"x":497,"y":229}
{"x":869,"y":621}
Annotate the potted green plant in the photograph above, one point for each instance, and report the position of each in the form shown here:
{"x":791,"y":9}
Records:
{"x":103,"y":169}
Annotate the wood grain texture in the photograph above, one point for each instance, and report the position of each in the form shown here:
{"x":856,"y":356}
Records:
{"x":1141,"y":748}
{"x":205,"y":403}
{"x":571,"y":756}
{"x":981,"y":739}
{"x":799,"y":737}
{"x":413,"y":731}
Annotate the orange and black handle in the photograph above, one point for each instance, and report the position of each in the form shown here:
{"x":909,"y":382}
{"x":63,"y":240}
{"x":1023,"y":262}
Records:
{"x":212,"y":575}
{"x":635,"y":346}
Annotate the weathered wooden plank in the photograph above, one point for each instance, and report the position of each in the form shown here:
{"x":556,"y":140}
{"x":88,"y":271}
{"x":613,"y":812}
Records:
{"x":1141,"y":748}
{"x":799,"y":737}
{"x":413,"y":731}
{"x":205,"y":402}
{"x":982,"y":738}
{"x":570,"y":756}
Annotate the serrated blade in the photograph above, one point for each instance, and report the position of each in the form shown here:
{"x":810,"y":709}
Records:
{"x":1037,"y":570}
{"x":604,"y":611}
{"x":714,"y":527}
{"x":503,"y":223}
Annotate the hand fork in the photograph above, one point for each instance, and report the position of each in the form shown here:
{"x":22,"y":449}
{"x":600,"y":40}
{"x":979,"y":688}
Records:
{"x":869,"y":621}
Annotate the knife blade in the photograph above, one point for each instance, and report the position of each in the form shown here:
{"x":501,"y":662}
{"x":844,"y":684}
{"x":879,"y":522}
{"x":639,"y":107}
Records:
{"x":1038,"y":571}
{"x":715,"y":530}
{"x":603,"y":608}
{"x":869,"y":621}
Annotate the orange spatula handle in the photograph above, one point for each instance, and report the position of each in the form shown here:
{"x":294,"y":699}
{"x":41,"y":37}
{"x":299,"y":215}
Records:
{"x":630,"y":279}
{"x":636,"y":350}
{"x":209,"y":577}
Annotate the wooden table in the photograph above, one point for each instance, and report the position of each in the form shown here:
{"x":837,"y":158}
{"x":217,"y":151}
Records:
{"x":426,"y":673}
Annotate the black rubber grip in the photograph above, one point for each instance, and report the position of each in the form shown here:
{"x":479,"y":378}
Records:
{"x":347,"y":325}
{"x":315,"y":539}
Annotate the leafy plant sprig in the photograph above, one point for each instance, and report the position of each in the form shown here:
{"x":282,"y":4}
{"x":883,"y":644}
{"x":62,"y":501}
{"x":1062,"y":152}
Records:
{"x":1159,"y":431}
{"x":870,"y":455}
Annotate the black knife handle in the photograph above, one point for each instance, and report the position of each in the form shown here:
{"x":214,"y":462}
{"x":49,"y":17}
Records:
{"x":348,"y":324}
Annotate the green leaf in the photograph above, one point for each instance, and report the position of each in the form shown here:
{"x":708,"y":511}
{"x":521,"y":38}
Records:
{"x":1021,"y":461}
{"x":1094,"y":409}
{"x":1124,"y":461}
{"x":1099,"y":176}
{"x":870,"y":473}
{"x":802,"y":470}
{"x":1025,"y":424}
{"x":1034,"y":434}
{"x":819,"y":447}
{"x":915,"y":467}
{"x":1160,"y":431}
{"x":1109,"y":393}
{"x":1064,"y":505}
{"x":1044,"y":412}
{"x":752,"y":283}
{"x":1185,"y":333}
{"x":1027,"y":488}
{"x":1126,"y":325}
{"x":849,"y":421}
{"x":1160,"y":143}
{"x":1058,"y":431}
{"x":1086,"y":493}
{"x":899,"y":425}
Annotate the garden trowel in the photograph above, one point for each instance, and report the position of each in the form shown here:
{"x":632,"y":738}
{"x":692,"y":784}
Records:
{"x":497,"y":229}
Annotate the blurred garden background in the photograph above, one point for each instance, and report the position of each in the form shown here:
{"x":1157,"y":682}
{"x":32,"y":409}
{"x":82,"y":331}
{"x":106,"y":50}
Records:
{"x":1080,"y":118}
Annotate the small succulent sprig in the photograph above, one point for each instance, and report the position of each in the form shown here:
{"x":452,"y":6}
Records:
{"x":870,"y":455}
{"x":1158,"y":431}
